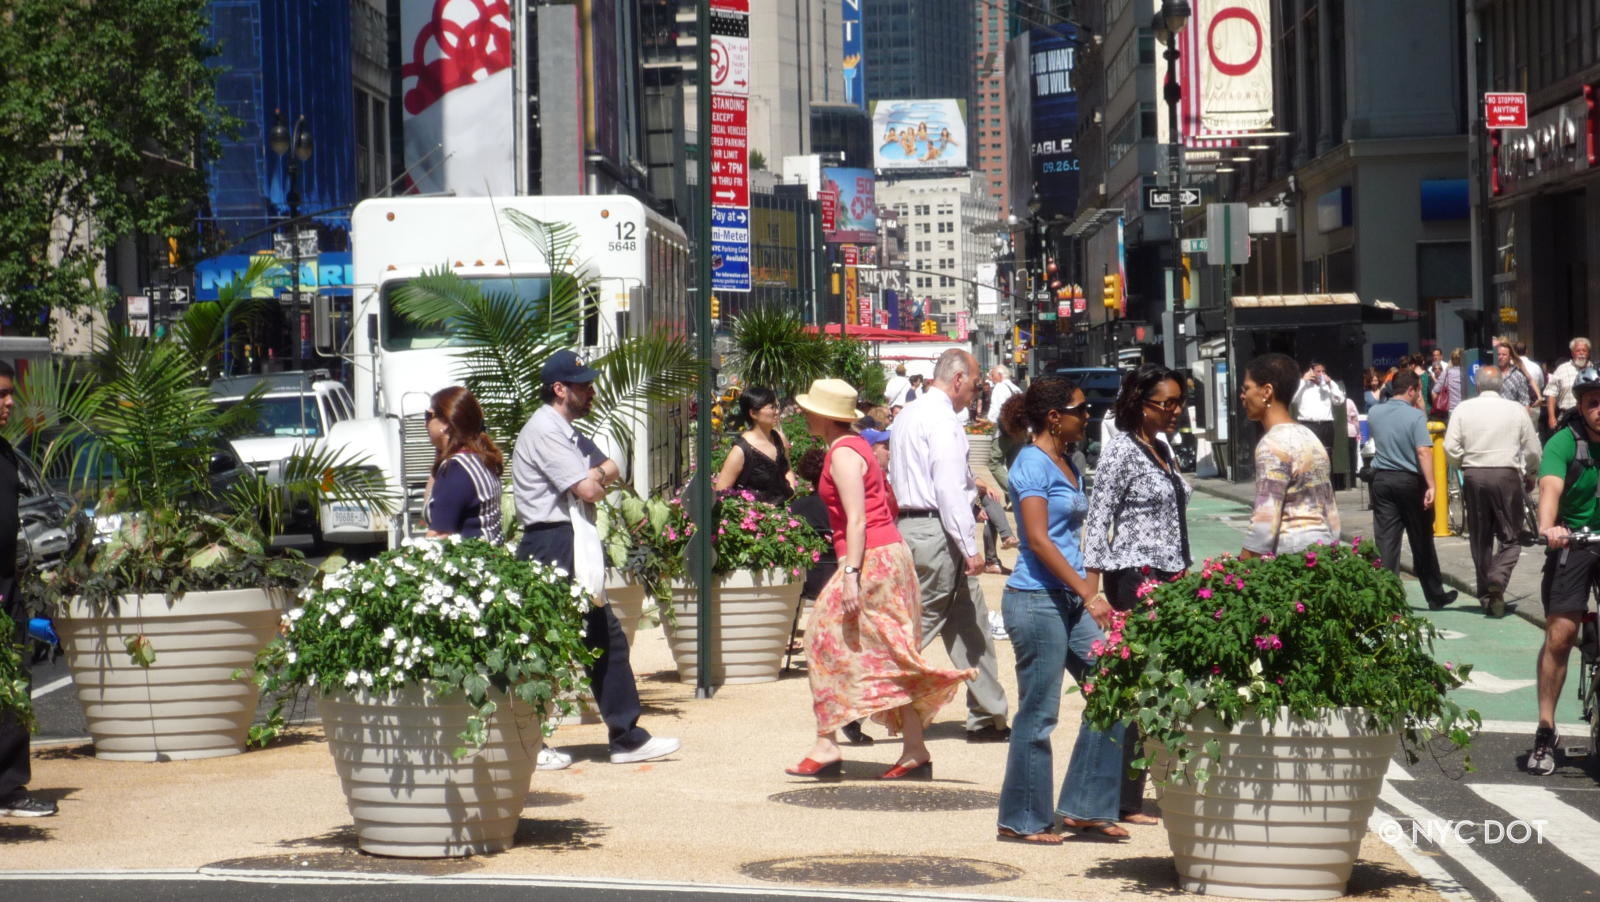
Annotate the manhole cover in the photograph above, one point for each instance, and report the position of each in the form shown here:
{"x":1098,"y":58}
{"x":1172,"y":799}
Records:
{"x":348,"y":861}
{"x":881,"y":870}
{"x":875,"y":797}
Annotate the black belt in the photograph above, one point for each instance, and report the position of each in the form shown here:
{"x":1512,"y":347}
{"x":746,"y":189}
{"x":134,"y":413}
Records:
{"x":907,"y":514}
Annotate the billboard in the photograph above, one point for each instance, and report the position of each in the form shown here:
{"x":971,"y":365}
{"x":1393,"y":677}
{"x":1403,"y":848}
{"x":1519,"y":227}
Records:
{"x":1052,"y":58}
{"x":456,"y":89}
{"x":855,"y":87}
{"x":855,"y":217}
{"x":1226,"y":55}
{"x":919,"y":134}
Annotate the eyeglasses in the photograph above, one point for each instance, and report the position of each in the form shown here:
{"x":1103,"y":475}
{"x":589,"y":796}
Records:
{"x":1171,"y":405}
{"x":1080,"y":409}
{"x":428,"y":416}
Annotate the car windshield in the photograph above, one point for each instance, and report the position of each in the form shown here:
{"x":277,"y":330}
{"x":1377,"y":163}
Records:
{"x":295,"y":416}
{"x":402,"y":334}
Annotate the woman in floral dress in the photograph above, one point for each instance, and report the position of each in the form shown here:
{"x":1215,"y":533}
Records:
{"x":862,"y":644}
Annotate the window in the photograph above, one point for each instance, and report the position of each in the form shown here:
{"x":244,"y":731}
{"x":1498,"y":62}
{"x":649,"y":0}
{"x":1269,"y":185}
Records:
{"x":922,"y":228}
{"x":946,"y":282}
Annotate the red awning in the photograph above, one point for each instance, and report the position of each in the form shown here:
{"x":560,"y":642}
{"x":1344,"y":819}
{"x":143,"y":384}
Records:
{"x":876,"y":334}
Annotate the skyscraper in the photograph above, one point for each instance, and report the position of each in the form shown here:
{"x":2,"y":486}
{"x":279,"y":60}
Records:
{"x":986,"y":119}
{"x":912,"y":49}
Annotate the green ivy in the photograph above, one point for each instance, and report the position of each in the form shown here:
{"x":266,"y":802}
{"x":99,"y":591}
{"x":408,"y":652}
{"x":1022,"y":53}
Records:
{"x":460,"y":615}
{"x":1325,"y":628}
{"x":15,"y":699}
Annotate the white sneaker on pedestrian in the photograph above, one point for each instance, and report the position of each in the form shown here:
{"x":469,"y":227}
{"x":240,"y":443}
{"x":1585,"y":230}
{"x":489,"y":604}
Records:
{"x":997,"y":627}
{"x":655,"y":747}
{"x":553,"y":759}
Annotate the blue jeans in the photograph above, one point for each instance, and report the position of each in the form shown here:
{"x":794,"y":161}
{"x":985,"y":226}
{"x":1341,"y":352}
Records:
{"x":1051,"y":633}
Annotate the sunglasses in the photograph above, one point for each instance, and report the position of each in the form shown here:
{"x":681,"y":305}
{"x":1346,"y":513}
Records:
{"x":1079,"y":409}
{"x":428,"y":416}
{"x":1171,"y":405}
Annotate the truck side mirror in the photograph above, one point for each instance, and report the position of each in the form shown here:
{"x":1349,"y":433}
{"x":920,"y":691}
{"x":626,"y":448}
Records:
{"x":322,"y":324}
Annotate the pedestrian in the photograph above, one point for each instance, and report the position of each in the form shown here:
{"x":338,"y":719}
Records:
{"x":1316,"y":400}
{"x":1137,"y":528}
{"x":1447,"y":390}
{"x":1402,"y":486}
{"x":1055,"y":616}
{"x":557,"y":476}
{"x":895,"y":391}
{"x":758,"y":462}
{"x":934,"y":484}
{"x":862,"y":645}
{"x":1516,"y":382}
{"x":1569,"y":499}
{"x":1559,"y":402}
{"x":1295,"y":505}
{"x":464,"y":487}
{"x":1371,"y":384}
{"x":15,"y":768}
{"x":1003,"y":390}
{"x":1498,"y":452}
{"x":916,"y":390}
{"x":1536,"y":374}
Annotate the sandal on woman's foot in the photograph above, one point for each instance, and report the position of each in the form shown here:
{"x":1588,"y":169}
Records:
{"x":1098,"y":829}
{"x":1140,"y":819}
{"x":1033,"y":839}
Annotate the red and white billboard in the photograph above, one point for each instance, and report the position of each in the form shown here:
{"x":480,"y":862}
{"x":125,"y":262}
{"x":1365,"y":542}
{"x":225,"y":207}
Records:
{"x":1505,"y":110}
{"x":456,"y":90}
{"x":1225,"y":63}
{"x":730,"y":146}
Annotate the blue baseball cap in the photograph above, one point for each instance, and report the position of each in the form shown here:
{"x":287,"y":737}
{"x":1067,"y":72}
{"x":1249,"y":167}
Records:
{"x":566,"y":366}
{"x":875,"y":436}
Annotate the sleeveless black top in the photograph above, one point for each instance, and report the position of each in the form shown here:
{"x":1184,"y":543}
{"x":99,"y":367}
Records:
{"x":762,"y":475}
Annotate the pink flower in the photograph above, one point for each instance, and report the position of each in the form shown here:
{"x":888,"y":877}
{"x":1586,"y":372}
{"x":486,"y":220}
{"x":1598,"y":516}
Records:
{"x":1124,"y":652}
{"x":1215,"y":670}
{"x":1150,"y":616}
{"x":1204,"y":593}
{"x":1395,"y":618}
{"x":1217,"y":615}
{"x":1268,"y":643}
{"x":1097,"y":648}
{"x":1116,"y":638}
{"x":1299,"y":607}
{"x":1145,"y":588}
{"x":1088,"y":688}
{"x":1279,"y":681}
{"x":816,"y":556}
{"x":1265,"y":619}
{"x":793,"y":523}
{"x":1449,"y":666}
{"x":672,"y":534}
{"x":796,"y":571}
{"x":1311,"y":558}
{"x":722,"y":531}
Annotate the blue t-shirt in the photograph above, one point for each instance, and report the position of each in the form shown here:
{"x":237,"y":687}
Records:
{"x":1398,"y":430}
{"x":1035,"y":475}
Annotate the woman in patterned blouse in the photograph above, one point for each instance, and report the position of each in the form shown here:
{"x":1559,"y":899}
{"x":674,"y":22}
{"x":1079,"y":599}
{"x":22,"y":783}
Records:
{"x":1136,"y":529}
{"x":1295,"y":507}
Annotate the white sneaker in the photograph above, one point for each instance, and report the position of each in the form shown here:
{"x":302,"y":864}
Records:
{"x":656,"y":747}
{"x":553,"y":759}
{"x":997,"y":627}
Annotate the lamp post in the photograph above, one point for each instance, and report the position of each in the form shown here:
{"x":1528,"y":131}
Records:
{"x":1170,"y":21}
{"x":281,"y":140}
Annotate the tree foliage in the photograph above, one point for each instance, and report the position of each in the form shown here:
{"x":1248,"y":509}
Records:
{"x":108,"y":116}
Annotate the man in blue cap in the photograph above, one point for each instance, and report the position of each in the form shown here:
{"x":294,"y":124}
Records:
{"x":557,"y":475}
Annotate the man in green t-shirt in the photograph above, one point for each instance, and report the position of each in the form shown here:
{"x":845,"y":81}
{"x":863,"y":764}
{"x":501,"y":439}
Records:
{"x":1570,"y":570}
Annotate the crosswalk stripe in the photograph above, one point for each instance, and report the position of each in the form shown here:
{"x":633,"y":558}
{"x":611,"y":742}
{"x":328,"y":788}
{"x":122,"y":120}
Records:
{"x":1427,"y":866}
{"x":1563,"y":826}
{"x":1526,"y":728}
{"x":51,"y":686}
{"x":1493,"y":879}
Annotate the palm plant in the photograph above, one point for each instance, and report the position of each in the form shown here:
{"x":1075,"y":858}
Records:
{"x":506,"y":341}
{"x":771,"y":348}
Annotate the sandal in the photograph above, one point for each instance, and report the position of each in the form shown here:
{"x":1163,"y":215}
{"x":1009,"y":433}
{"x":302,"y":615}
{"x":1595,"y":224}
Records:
{"x":1140,"y":819}
{"x":1100,"y":829}
{"x":1006,"y":834}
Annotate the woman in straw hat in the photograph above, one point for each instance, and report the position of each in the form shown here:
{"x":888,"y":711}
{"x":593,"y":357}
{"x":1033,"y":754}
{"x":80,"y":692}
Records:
{"x":862,"y":644}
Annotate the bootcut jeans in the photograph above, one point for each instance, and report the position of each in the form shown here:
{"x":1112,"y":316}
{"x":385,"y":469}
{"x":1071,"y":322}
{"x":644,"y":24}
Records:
{"x":1051,"y":633}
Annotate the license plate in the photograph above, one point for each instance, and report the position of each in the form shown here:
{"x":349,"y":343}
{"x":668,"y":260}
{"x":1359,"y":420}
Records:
{"x":344,"y":515}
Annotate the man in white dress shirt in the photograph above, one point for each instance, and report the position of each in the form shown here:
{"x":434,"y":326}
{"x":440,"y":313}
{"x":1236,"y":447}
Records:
{"x":1315,"y":401}
{"x":1003,"y":389}
{"x":899,"y":385}
{"x":934,"y":486}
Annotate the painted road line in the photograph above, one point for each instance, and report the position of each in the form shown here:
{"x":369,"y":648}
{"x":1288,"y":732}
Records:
{"x":1493,"y":879}
{"x":1526,"y":728}
{"x":1428,"y":867}
{"x":1481,"y":681}
{"x":1561,"y":825}
{"x":53,"y":685}
{"x":1397,"y":771}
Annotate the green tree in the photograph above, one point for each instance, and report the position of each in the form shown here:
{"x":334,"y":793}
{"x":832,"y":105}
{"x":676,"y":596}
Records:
{"x":771,"y":348}
{"x":108,"y":117}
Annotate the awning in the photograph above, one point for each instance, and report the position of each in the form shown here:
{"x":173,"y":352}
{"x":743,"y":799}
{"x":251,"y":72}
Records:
{"x":875,"y":333}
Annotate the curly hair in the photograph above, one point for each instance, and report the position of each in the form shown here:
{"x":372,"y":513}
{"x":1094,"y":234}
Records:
{"x":810,"y":466}
{"x":1277,"y":370}
{"x":1137,"y":387}
{"x":1044,"y":394}
{"x":463,"y":417}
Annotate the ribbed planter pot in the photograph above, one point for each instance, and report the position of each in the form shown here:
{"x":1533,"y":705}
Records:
{"x":627,"y":602}
{"x":187,"y":703}
{"x":1284,"y":811}
{"x":755,"y":613}
{"x":978,"y":453}
{"x":408,"y":796}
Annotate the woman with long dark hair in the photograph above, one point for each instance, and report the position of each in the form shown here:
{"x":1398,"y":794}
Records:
{"x":1054,"y":615}
{"x":463,"y":495}
{"x":759,"y":459}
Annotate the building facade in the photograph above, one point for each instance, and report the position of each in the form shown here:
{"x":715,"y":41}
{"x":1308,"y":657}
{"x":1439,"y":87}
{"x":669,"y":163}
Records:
{"x":986,"y":126}
{"x":911,"y":48}
{"x":949,"y":232}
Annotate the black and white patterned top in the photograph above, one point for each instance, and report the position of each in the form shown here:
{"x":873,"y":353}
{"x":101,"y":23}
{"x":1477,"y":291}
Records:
{"x":1137,"y":510}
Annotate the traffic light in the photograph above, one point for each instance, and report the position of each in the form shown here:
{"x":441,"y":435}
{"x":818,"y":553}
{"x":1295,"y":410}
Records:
{"x":172,"y":251}
{"x":716,"y":307}
{"x":930,"y":327}
{"x":1188,"y":270}
{"x":1111,"y":291}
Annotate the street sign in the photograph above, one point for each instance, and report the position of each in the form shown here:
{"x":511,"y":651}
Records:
{"x":730,"y":143}
{"x":830,"y":210}
{"x":730,"y":249}
{"x":1228,"y":232}
{"x":1156,"y":197}
{"x":730,"y":6}
{"x":1195,"y":245}
{"x":730,"y":55}
{"x":1505,"y":110}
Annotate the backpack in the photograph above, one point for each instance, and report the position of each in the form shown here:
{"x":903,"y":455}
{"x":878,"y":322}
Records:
{"x":1580,"y":459}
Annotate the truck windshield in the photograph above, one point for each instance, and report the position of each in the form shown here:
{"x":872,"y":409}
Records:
{"x":292,"y":415}
{"x":403,"y":334}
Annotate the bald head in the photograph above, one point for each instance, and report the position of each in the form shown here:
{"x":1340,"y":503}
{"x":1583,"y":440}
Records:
{"x":1489,"y":378}
{"x":956,"y":374}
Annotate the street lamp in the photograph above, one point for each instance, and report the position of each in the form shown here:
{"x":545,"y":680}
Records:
{"x":1170,"y":21}
{"x":281,"y":140}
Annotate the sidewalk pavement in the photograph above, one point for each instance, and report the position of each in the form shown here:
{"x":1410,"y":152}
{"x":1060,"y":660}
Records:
{"x":720,"y":812}
{"x":1455,"y":557}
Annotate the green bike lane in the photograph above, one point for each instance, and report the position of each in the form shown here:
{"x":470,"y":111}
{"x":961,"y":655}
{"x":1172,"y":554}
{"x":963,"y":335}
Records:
{"x":1503,"y":652}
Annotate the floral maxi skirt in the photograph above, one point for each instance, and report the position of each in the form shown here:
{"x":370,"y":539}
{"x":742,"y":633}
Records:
{"x":870,"y":665}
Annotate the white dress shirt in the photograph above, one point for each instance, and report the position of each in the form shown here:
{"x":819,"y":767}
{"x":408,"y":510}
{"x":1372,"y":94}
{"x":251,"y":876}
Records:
{"x":895,"y":392}
{"x":1491,"y":431}
{"x":1314,"y":401}
{"x":928,"y":465}
{"x":998,"y":396}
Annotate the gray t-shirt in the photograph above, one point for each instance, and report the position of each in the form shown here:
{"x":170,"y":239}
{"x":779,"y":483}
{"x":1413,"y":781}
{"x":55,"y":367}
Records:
{"x":551,"y":457}
{"x":1398,"y":430}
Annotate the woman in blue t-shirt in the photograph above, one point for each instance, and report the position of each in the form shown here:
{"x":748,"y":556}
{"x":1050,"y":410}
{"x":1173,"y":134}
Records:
{"x":463,"y":495}
{"x":1052,"y":629}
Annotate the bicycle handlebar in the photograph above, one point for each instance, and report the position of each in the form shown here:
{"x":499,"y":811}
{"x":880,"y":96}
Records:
{"x":1575,"y":537}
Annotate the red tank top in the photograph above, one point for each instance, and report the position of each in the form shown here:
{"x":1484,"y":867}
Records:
{"x":881,"y":509}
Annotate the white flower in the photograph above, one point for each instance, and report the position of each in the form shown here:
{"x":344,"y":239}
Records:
{"x":366,"y":679}
{"x":427,"y":650}
{"x":387,"y":637}
{"x":297,"y":613}
{"x":389,"y":580}
{"x":292,"y":656}
{"x":486,"y":596}
{"x":311,"y":680}
{"x":522,"y":639}
{"x":346,"y":621}
{"x":351,"y":678}
{"x":384,"y":671}
{"x":480,"y":632}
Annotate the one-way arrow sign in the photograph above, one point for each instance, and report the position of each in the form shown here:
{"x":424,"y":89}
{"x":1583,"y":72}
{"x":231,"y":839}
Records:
{"x":1155,"y":197}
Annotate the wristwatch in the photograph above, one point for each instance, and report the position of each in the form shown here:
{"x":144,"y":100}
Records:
{"x":850,"y":569}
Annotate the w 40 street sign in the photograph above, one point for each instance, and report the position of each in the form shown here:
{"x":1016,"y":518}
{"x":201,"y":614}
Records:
{"x":1157,"y":197}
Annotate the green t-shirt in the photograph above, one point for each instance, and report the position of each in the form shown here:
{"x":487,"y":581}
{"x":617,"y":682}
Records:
{"x":1579,"y":507}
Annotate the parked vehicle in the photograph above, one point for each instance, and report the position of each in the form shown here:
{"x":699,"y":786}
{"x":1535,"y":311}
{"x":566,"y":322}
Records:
{"x":52,"y":522}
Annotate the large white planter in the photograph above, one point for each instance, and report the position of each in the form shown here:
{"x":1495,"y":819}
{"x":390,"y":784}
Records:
{"x":407,"y":795}
{"x":978,"y":454}
{"x":627,"y":602}
{"x":1284,"y":811}
{"x":755,"y":614}
{"x":187,"y":704}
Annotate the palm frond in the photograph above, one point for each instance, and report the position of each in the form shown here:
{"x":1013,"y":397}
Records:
{"x":771,"y":348}
{"x":636,"y":379}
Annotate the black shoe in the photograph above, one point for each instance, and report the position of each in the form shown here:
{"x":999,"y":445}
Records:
{"x":990,"y":733}
{"x":20,"y":804}
{"x":1435,"y":604}
{"x":852,"y":732}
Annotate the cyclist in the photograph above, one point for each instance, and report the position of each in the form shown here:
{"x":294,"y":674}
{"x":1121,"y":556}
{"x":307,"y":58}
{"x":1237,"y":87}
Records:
{"x":1569,"y":498}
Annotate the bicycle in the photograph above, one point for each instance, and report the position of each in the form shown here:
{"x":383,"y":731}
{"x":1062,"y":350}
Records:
{"x":1588,"y":647}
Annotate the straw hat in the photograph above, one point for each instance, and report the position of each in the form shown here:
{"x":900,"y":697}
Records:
{"x":834,"y":399}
